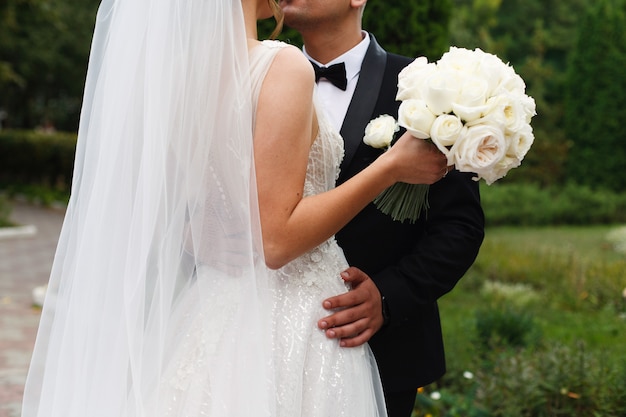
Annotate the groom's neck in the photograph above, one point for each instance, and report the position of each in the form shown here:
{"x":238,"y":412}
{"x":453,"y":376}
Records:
{"x":324,"y":46}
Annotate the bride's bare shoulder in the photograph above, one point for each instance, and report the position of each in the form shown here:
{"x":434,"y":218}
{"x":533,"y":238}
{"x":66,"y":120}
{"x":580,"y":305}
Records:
{"x":291,"y":64}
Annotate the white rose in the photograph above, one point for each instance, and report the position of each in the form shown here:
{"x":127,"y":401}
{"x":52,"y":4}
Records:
{"x":471,"y":99}
{"x":445,"y":131}
{"x":506,"y":109}
{"x":412,"y":78}
{"x":529,"y":106}
{"x":470,"y":113}
{"x":479,"y":150}
{"x":491,"y":113}
{"x":514,"y":114}
{"x":520,"y":142}
{"x":500,"y":169}
{"x":493,"y":71}
{"x":460,"y":59}
{"x":511,"y":81}
{"x":473,"y":91}
{"x":441,"y":90}
{"x":379,"y":132}
{"x":416,"y":118}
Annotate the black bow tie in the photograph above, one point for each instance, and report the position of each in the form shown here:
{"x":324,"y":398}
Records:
{"x":336,"y":74}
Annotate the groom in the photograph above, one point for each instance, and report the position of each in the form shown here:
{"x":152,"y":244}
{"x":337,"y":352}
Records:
{"x":410,"y":265}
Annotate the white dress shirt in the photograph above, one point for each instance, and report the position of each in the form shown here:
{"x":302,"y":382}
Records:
{"x":335,"y":101}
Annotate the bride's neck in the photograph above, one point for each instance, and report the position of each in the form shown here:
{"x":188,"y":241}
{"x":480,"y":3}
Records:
{"x":250,"y":20}
{"x":252,"y":43}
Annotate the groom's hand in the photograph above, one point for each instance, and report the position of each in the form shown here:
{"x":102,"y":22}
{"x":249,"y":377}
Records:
{"x":358,"y":312}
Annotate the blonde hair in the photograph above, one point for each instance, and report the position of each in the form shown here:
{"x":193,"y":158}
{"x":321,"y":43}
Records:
{"x":278,"y":16}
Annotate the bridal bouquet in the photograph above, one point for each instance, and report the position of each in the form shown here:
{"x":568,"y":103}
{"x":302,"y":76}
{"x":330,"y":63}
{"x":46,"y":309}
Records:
{"x":472,"y":106}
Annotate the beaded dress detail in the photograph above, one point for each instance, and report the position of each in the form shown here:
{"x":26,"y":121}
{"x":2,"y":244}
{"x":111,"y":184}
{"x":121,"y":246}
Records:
{"x":315,"y":376}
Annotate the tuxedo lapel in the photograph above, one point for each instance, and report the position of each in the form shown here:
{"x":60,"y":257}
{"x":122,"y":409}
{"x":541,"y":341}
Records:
{"x":363,"y":100}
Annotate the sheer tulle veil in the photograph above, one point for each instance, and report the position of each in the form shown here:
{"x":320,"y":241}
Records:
{"x":163,"y":187}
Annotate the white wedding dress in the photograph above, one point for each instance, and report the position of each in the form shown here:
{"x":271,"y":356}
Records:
{"x":314,"y":376}
{"x":159,"y":303}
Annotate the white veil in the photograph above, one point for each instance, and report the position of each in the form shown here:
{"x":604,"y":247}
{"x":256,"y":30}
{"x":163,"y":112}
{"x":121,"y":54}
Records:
{"x":160,"y":255}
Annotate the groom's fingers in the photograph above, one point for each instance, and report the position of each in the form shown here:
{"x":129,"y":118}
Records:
{"x":358,"y":312}
{"x":355,"y":336}
{"x":352,"y":334}
{"x":363,"y":290}
{"x":357,"y":340}
{"x":348,"y":299}
{"x":354,"y":276}
{"x":345,"y":322}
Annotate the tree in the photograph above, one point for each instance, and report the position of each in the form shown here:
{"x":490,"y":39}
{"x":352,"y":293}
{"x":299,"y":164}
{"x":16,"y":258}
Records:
{"x":595,"y":98}
{"x":44,"y":48}
{"x":44,"y":45}
{"x":472,"y":22}
{"x":536,"y":37}
{"x":20,"y":32}
{"x":411,"y":28}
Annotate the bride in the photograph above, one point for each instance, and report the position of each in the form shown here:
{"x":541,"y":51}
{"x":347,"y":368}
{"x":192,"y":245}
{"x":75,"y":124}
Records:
{"x":198,"y":241}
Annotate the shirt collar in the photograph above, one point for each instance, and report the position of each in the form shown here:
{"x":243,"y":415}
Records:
{"x":352,"y":58}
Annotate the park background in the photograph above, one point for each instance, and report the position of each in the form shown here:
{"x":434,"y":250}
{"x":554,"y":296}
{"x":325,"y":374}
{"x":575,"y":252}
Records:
{"x":537,"y":327}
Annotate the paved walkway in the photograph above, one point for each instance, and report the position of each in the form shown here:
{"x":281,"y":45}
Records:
{"x":25,"y":262}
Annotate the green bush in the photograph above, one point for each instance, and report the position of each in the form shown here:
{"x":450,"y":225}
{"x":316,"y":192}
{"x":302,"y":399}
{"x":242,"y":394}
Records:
{"x":504,"y":327}
{"x":530,"y":205}
{"x":5,"y":212}
{"x":39,"y":159}
{"x":555,"y":380}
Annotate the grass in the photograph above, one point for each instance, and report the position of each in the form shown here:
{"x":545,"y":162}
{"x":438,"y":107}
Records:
{"x":566,"y":305}
{"x":567,"y":282}
{"x":589,"y":243}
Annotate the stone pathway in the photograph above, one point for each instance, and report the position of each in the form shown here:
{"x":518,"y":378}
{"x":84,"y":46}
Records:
{"x":25,"y":263}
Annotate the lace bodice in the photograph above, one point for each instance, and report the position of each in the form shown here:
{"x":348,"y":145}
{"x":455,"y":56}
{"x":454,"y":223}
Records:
{"x":324,"y":158}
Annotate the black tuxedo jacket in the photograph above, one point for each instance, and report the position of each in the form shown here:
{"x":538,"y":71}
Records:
{"x":412,"y":264}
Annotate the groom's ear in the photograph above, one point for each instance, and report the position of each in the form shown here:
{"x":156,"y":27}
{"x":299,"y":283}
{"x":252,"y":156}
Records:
{"x":358,"y":3}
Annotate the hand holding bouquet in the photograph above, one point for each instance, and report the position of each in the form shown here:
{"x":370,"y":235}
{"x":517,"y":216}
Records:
{"x":475,"y":110}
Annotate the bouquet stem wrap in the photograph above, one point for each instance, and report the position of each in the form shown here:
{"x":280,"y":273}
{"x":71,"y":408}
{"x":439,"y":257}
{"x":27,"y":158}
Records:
{"x":403,"y":201}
